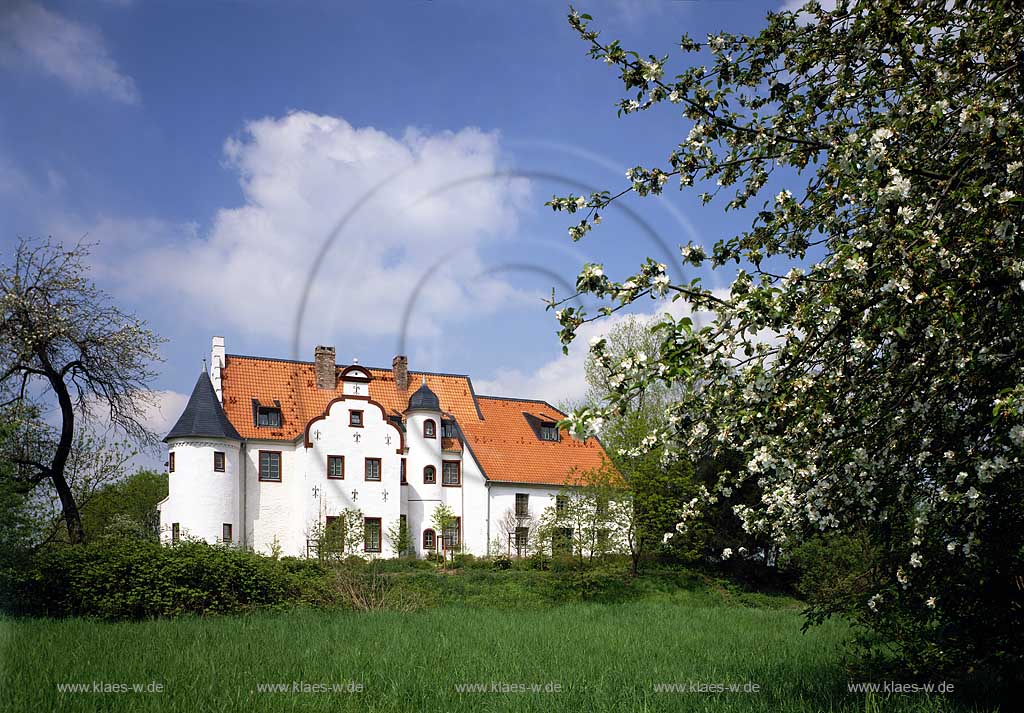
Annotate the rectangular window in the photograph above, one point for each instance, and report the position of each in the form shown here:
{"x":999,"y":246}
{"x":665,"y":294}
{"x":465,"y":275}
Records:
{"x":453,"y":535}
{"x":373,"y":468}
{"x":225,"y":532}
{"x":268,"y":417}
{"x":371,"y":534}
{"x":355,"y":418}
{"x":448,"y":429}
{"x":561,"y":503}
{"x":451,"y":473}
{"x":218,"y":461}
{"x":522,"y":538}
{"x":522,"y":505}
{"x":170,"y":462}
{"x":405,"y":475}
{"x":175,"y":532}
{"x":270,"y":466}
{"x":561,"y":541}
{"x":336,"y":467}
{"x":548,"y":432}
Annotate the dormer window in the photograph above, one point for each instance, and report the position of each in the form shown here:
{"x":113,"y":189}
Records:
{"x":268,"y":417}
{"x":548,"y":431}
{"x":448,"y":429}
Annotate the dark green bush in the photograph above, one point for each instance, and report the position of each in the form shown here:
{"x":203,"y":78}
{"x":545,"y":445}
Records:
{"x":117,"y":579}
{"x":501,"y":562}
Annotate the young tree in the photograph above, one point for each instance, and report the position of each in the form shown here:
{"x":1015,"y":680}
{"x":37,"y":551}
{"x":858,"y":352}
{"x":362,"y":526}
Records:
{"x":444,"y":522}
{"x":868,"y":357}
{"x":60,"y":337}
{"x":586,"y":520}
{"x":400,"y":538}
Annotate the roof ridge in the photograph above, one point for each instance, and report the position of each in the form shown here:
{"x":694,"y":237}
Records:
{"x":311,"y":363}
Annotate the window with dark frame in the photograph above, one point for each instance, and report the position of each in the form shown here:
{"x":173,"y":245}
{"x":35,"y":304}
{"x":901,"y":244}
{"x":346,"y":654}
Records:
{"x":561,"y":503}
{"x":372,"y":469}
{"x":453,"y":535}
{"x":268,"y":417}
{"x":561,"y":541}
{"x":175,"y":532}
{"x":371,"y":534}
{"x":522,"y":505}
{"x":548,"y":431}
{"x":405,"y":476}
{"x":522,"y":538}
{"x":447,"y":429}
{"x":429,"y":475}
{"x":451,"y":473}
{"x":270,"y":466}
{"x":218,"y":461}
{"x":429,"y":428}
{"x":336,"y":467}
{"x":225,"y":532}
{"x":355,"y":419}
{"x":170,"y":462}
{"x":429,"y":540}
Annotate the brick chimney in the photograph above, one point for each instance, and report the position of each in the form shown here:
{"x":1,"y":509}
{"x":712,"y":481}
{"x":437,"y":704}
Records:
{"x":326,"y":374}
{"x":400,"y":368}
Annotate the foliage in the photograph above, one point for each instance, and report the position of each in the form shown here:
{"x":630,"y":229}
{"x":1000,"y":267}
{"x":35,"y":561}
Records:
{"x":867,"y":357}
{"x":133,"y":500}
{"x":341,"y":538}
{"x":400,"y":539}
{"x":60,"y":338}
{"x":117,"y":578}
{"x":443,"y":519}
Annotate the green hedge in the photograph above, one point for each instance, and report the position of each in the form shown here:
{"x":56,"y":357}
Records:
{"x":137,"y":579}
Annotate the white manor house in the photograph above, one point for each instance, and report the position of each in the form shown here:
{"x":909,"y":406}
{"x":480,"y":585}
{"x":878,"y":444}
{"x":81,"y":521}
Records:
{"x":269,"y":450}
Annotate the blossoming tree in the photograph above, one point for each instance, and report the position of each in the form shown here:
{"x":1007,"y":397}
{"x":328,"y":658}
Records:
{"x":869,"y":354}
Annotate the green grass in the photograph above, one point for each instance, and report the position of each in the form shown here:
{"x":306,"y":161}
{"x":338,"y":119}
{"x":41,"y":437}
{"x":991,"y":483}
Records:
{"x":604,"y":656}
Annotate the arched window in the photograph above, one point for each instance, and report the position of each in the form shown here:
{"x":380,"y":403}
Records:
{"x":430,"y":475}
{"x":429,"y":428}
{"x":429,"y":540}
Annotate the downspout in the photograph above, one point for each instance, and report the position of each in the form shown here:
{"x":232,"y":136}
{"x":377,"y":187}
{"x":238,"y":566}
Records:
{"x":487,"y":490}
{"x":243,"y":504}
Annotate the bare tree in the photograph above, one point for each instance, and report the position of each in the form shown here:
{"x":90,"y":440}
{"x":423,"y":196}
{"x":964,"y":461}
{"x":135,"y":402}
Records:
{"x":61,"y":340}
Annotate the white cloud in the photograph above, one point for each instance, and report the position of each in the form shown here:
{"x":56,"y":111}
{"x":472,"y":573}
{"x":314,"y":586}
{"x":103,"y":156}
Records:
{"x":32,"y":36}
{"x":300,"y":174}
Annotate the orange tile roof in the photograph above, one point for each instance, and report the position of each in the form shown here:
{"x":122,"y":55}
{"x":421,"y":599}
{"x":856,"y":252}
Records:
{"x":496,"y":431}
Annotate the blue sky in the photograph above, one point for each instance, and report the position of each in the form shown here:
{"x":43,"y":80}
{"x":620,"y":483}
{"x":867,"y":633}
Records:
{"x":211,"y":149}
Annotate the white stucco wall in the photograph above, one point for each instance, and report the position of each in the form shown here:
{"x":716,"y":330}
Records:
{"x":200,"y":499}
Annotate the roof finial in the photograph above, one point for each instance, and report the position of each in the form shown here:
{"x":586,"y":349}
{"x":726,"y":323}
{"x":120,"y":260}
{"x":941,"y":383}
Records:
{"x":424,"y":379}
{"x":355,"y":360}
{"x":204,"y":364}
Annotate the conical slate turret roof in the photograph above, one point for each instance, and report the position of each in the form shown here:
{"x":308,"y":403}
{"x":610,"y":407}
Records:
{"x":203,"y":415}
{"x":424,"y":399}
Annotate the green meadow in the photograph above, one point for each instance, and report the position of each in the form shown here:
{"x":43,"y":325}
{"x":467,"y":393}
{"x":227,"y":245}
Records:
{"x":694,"y":648}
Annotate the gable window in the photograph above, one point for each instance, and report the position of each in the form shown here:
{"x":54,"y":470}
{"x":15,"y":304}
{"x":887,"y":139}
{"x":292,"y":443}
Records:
{"x":548,"y":431}
{"x":373,"y":469}
{"x":355,"y":419}
{"x":270,"y":466}
{"x":429,"y":540}
{"x":175,"y":532}
{"x":453,"y":535}
{"x":451,"y":473}
{"x":522,"y":505}
{"x":448,"y":429}
{"x":336,"y":467}
{"x":268,"y":417}
{"x":429,"y":475}
{"x":561,"y":503}
{"x":218,"y":461}
{"x":405,"y":476}
{"x":371,"y":534}
{"x":429,"y":428}
{"x":170,"y":462}
{"x":225,"y":532}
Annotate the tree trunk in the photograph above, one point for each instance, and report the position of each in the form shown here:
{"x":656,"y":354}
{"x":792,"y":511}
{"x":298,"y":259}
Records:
{"x":72,"y":516}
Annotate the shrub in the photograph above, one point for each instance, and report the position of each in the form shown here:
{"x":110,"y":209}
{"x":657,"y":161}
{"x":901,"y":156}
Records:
{"x":125,"y":578}
{"x":501,"y":562}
